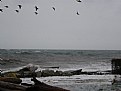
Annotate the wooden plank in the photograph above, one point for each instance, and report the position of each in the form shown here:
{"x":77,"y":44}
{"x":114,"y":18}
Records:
{"x":12,"y":86}
{"x":40,"y":86}
{"x":4,"y":89}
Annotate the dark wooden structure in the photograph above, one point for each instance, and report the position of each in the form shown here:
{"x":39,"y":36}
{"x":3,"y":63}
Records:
{"x":116,"y":66}
{"x":38,"y":86}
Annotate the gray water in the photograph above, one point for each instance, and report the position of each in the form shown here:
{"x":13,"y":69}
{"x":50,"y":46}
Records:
{"x":88,"y":60}
{"x":67,"y":59}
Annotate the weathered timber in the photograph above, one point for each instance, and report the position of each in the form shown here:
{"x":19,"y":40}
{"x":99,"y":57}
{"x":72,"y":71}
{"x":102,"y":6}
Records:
{"x":12,"y":86}
{"x":4,"y":89}
{"x":40,"y":86}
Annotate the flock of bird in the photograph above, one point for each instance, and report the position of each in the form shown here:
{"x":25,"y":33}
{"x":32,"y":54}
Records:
{"x":36,"y":8}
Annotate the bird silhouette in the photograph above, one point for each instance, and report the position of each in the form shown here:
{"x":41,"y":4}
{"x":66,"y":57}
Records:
{"x":20,"y":6}
{"x":77,"y":13}
{"x":17,"y":11}
{"x":53,"y":8}
{"x":6,"y":6}
{"x":78,"y":0}
{"x":1,"y":10}
{"x":0,"y":0}
{"x":36,"y":13}
{"x":36,"y":8}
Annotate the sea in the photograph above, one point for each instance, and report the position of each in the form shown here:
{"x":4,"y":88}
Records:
{"x":87,"y":60}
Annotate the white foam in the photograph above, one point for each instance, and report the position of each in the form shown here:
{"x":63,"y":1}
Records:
{"x":76,"y":79}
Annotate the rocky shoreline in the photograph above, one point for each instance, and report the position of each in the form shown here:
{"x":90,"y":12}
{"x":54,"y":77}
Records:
{"x":11,"y":78}
{"x":29,"y":71}
{"x":10,"y":81}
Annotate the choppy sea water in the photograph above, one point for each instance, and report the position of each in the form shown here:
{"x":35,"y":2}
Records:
{"x":81,"y":82}
{"x":87,"y":60}
{"x":65,"y":59}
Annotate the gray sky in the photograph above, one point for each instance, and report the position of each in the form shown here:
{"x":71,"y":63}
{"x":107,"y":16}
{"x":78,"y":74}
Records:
{"x":97,"y":27}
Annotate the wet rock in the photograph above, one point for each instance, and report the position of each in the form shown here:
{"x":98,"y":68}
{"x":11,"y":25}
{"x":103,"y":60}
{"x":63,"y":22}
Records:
{"x":24,"y":74}
{"x":28,"y":71}
{"x":77,"y":72}
{"x":29,"y":67}
{"x":10,"y":74}
{"x":10,"y":77}
{"x":67,"y":73}
{"x":46,"y":73}
{"x":24,"y":69}
{"x":58,"y":73}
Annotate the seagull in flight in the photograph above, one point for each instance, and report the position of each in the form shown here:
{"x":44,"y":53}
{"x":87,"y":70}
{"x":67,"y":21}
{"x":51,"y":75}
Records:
{"x":6,"y":6}
{"x":78,"y":0}
{"x":36,"y":13}
{"x":77,"y":13}
{"x":53,"y":8}
{"x":20,"y":6}
{"x":17,"y":11}
{"x":36,"y":8}
{"x":1,"y":10}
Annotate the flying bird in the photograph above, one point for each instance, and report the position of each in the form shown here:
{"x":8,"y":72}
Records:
{"x":36,"y":13}
{"x":78,"y":0}
{"x":20,"y":6}
{"x":36,"y":8}
{"x":77,"y":13}
{"x":17,"y":11}
{"x":6,"y":6}
{"x":1,"y":10}
{"x":53,"y":8}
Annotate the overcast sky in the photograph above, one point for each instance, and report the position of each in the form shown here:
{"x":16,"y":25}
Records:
{"x":97,"y":27}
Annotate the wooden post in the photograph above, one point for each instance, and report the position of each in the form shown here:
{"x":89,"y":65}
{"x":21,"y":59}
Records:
{"x":116,"y":66}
